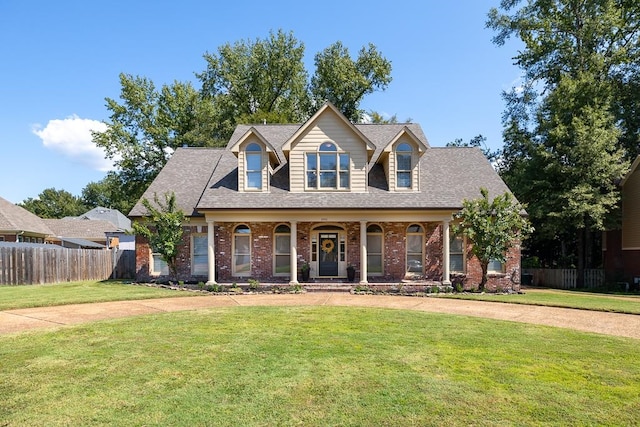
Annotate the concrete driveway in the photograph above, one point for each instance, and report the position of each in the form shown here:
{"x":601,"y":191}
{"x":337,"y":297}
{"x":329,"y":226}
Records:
{"x":624,"y":325}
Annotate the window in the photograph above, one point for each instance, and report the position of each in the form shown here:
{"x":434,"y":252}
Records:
{"x":328,"y":169}
{"x":415,"y":245}
{"x":159,"y":266}
{"x":200,"y":256}
{"x":374,"y":250}
{"x":495,"y":266}
{"x":404,"y":155}
{"x":456,"y":253}
{"x":253,"y":158}
{"x":282,"y":250}
{"x":1,"y":238}
{"x":242,"y":251}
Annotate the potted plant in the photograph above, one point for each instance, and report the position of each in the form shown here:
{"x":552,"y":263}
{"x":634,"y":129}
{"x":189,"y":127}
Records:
{"x":351,"y":273}
{"x":304,"y":269}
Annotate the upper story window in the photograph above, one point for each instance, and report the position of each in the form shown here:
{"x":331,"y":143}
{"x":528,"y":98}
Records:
{"x":327,"y":169}
{"x":404,"y":155}
{"x":253,"y":158}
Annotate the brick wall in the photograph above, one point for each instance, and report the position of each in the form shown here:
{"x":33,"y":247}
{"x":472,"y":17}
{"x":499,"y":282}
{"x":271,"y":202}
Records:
{"x":394,"y":259}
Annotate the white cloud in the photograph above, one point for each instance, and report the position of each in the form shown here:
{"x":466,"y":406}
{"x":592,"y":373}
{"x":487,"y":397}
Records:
{"x":72,"y":138}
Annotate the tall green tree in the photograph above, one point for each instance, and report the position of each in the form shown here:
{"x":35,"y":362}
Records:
{"x":113,"y":192}
{"x":344,"y":82}
{"x":256,"y":81}
{"x":162,"y":226}
{"x":492,"y":226}
{"x":52,"y":203}
{"x":250,"y":81}
{"x":477,"y":141}
{"x":568,"y":133}
{"x":149,"y":124}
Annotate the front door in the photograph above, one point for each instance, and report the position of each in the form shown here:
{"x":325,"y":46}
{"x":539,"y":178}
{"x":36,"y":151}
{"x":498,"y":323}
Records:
{"x":328,"y":262}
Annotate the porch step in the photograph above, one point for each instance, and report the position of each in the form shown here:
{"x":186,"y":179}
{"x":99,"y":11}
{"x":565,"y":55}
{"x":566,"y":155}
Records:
{"x":327,"y":287}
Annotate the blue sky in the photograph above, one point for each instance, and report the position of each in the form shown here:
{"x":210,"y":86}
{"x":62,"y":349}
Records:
{"x":59,"y":60}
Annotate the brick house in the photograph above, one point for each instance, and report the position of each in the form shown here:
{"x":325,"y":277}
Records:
{"x":330,"y":194}
{"x":19,"y":225}
{"x":621,"y":248}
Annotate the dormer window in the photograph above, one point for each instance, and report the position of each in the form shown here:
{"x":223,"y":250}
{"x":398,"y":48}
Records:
{"x":253,"y":158}
{"x":404,"y":155}
{"x":327,"y":169}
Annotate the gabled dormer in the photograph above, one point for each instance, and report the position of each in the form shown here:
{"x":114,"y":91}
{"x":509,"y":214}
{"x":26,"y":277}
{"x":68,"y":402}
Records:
{"x":400,"y":159}
{"x":257,"y":160}
{"x":328,"y":153}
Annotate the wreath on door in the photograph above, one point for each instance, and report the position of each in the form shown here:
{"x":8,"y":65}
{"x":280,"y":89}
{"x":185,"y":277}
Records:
{"x":327,"y":245}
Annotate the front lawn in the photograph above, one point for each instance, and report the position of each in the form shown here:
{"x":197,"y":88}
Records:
{"x":560,"y":298}
{"x":26,"y":296}
{"x":316,"y":366}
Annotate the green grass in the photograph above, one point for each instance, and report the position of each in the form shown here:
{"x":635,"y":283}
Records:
{"x":316,"y":366}
{"x":559,"y":298}
{"x":12,"y":297}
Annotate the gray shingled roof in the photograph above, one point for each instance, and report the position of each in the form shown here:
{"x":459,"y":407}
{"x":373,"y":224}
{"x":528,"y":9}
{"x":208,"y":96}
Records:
{"x":114,"y":216}
{"x":16,"y":218}
{"x":186,"y":174}
{"x":90,"y":229}
{"x":207,"y":178}
{"x":447,"y":177}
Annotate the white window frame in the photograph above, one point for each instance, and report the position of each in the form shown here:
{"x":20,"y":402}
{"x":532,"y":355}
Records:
{"x":371,"y":254}
{"x":414,"y":254}
{"x":204,"y":255}
{"x":491,"y":270}
{"x":277,"y":254}
{"x":159,"y":267}
{"x":251,"y":151}
{"x":452,"y":238}
{"x":401,"y":151}
{"x":326,"y":149}
{"x":236,"y":272}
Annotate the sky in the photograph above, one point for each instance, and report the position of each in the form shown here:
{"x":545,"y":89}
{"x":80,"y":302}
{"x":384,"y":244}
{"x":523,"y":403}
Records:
{"x":59,"y":60}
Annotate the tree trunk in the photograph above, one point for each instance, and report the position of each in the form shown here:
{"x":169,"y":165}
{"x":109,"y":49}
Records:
{"x":485,"y":266}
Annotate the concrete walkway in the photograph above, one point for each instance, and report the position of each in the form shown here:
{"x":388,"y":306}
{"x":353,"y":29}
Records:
{"x":624,"y":325}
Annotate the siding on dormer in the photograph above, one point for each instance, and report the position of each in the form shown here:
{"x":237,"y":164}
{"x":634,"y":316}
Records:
{"x":329,"y":128}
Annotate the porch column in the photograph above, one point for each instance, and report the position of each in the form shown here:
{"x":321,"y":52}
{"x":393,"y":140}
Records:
{"x":445,"y":253}
{"x":211,"y":246}
{"x":363,"y":253}
{"x":294,"y":253}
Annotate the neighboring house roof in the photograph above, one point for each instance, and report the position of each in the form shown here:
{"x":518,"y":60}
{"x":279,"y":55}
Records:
{"x":80,"y":228}
{"x":14,"y":218}
{"x":114,"y":216}
{"x":80,"y":243}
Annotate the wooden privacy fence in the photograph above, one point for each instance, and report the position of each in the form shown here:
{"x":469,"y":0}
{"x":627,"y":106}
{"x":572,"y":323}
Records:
{"x":564,"y":278}
{"x":36,"y":265}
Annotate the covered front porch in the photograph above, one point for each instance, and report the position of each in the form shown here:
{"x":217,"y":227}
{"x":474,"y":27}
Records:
{"x":382,"y":247}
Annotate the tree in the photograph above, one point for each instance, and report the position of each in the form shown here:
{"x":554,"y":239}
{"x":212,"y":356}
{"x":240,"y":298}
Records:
{"x":344,"y":82}
{"x":477,"y":141}
{"x":569,"y":131}
{"x":162,"y":226}
{"x":252,"y":81}
{"x":52,"y":203}
{"x":112,"y":192}
{"x":149,"y":125}
{"x":246,"y":82}
{"x":493,"y":227}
